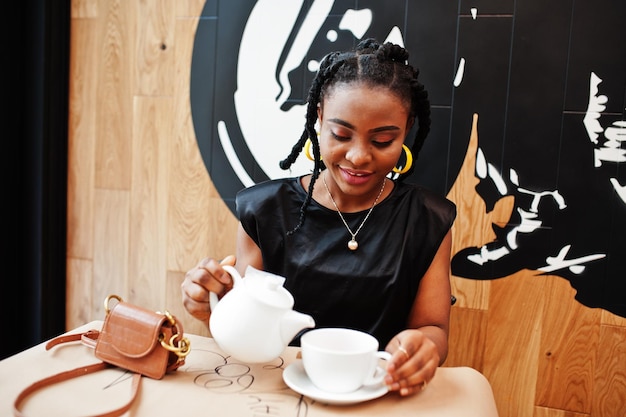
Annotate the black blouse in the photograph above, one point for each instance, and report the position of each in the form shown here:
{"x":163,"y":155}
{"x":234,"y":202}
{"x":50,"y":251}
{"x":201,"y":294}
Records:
{"x":370,"y":289}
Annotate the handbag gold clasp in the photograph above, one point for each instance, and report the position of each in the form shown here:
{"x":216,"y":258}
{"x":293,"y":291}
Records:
{"x":107,"y":300}
{"x":180,"y":348}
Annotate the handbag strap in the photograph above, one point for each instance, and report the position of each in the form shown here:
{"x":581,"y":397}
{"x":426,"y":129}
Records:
{"x":89,"y":338}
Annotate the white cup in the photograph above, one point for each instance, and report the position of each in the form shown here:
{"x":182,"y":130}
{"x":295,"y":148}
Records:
{"x":340,"y":360}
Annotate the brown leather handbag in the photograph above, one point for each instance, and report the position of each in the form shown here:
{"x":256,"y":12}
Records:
{"x":144,"y":342}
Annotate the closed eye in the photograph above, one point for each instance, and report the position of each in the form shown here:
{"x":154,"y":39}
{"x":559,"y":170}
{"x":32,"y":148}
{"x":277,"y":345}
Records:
{"x":339,"y":137}
{"x":381,"y":145}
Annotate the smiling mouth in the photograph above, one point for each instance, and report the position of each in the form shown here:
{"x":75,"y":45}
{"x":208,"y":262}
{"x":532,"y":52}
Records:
{"x":353,"y":178}
{"x":355,"y":174}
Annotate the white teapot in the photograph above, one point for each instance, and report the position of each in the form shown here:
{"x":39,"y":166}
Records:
{"x":255,"y":321}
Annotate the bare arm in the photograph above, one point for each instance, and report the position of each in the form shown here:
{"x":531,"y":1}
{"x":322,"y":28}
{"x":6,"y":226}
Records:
{"x":431,"y":309}
{"x":419,"y":350}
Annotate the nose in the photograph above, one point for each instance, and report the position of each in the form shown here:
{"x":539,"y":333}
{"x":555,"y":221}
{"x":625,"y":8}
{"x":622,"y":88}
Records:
{"x":359,"y":153}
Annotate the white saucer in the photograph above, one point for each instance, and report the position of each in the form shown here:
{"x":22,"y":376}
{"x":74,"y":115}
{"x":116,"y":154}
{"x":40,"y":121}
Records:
{"x":296,"y":378}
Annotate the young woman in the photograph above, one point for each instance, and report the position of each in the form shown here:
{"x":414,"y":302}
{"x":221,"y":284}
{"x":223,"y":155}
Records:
{"x":358,"y":247}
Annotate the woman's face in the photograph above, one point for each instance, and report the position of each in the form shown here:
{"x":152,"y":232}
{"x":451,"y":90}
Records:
{"x":362,"y":130}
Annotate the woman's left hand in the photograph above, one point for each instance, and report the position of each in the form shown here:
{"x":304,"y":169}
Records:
{"x":414,"y":360}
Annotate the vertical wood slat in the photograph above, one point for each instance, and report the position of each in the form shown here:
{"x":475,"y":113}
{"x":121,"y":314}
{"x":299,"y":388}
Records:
{"x":82,"y":138}
{"x":609,"y":389}
{"x":154,"y":48}
{"x":84,"y":9}
{"x":569,"y":342}
{"x":514,"y":327}
{"x":116,"y":51}
{"x":152,"y":134}
{"x":468,"y":332}
{"x":78,"y":308}
{"x":200,"y":223}
{"x":111,"y":247}
{"x":189,"y":8}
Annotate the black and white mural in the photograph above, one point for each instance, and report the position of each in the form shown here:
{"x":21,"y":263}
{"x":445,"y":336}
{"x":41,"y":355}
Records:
{"x":547,"y":79}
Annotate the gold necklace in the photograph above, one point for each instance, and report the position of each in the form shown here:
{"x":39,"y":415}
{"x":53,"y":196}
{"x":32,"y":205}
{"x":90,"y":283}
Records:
{"x":352,"y":243}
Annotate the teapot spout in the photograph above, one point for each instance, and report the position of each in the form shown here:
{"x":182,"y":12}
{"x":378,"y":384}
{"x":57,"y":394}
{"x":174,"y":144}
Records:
{"x":292,"y":322}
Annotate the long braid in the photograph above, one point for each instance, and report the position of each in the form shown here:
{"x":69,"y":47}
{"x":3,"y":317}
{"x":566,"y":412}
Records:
{"x":372,"y":64}
{"x":328,"y":67}
{"x":295,"y":151}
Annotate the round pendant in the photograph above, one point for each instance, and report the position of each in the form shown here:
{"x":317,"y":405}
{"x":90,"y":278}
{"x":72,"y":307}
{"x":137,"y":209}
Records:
{"x":353,"y":245}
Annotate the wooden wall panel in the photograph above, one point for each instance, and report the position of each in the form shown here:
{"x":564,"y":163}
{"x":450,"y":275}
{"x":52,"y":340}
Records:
{"x":142,"y":210}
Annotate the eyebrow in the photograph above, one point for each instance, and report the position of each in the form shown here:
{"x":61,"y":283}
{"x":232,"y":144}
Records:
{"x":351,"y":126}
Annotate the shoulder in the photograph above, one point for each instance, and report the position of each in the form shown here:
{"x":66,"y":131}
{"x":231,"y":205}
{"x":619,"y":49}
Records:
{"x":427,"y":201}
{"x":269,"y":188}
{"x":264,"y":187}
{"x":267,"y":194}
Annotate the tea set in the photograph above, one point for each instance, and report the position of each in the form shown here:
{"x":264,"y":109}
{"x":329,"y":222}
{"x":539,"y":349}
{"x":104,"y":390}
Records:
{"x":255,"y":322}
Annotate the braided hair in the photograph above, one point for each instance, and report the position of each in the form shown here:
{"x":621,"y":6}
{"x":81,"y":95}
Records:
{"x":373,"y":64}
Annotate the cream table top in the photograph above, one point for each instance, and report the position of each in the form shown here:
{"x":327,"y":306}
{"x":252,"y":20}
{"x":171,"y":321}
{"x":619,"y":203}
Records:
{"x":212,"y":384}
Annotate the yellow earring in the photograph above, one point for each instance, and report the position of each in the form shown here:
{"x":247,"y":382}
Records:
{"x":409,"y":162}
{"x":307,"y":150}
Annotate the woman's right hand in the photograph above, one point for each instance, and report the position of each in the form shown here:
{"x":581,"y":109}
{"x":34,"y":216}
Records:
{"x":206,"y":277}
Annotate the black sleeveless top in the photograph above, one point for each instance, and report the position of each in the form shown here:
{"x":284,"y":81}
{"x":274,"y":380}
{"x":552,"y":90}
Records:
{"x":370,"y":289}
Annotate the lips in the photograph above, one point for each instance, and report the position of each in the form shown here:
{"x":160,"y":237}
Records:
{"x":355,"y":177}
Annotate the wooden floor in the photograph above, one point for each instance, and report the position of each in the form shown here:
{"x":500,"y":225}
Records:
{"x":143,"y":210}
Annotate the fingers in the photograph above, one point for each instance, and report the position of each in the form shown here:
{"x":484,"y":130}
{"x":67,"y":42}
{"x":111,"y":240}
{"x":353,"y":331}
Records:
{"x":206,"y":277}
{"x":229,"y":260}
{"x":403,"y":350}
{"x":209,"y":274}
{"x":201,"y":310}
{"x":413,"y":363}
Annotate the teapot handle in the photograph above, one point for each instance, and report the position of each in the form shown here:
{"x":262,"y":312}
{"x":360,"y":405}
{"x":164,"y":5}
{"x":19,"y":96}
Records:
{"x":213,"y":300}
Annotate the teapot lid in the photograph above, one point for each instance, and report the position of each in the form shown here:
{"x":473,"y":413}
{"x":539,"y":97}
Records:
{"x":267,"y":288}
